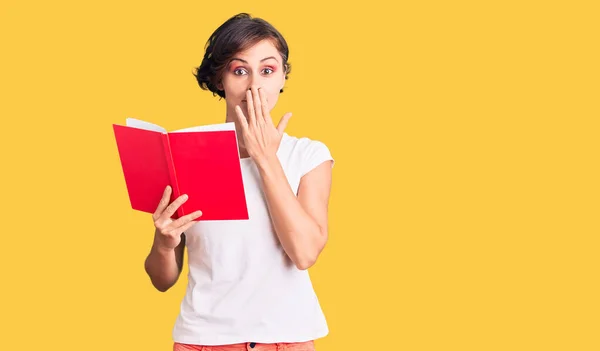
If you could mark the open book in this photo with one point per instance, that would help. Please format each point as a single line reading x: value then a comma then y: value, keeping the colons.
x: 202, y: 162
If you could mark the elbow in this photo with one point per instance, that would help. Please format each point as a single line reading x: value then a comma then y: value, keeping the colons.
x: 162, y: 287
x: 158, y: 283
x: 305, y: 263
x: 308, y: 260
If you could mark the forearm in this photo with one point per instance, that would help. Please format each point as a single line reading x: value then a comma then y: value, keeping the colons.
x: 162, y: 268
x: 300, y: 235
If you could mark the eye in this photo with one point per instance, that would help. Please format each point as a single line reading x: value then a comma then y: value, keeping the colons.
x: 270, y: 70
x: 239, y: 71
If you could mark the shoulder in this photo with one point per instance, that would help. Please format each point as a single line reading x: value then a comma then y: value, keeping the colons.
x: 304, y: 153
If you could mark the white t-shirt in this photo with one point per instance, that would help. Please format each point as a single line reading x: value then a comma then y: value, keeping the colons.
x: 242, y: 286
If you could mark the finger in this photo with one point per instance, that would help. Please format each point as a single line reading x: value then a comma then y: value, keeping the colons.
x: 186, y: 219
x: 187, y: 226
x: 164, y: 202
x: 257, y: 106
x: 260, y: 119
x: 250, y: 103
x: 284, y: 121
x: 170, y: 210
x: 265, y: 107
x: 241, y: 118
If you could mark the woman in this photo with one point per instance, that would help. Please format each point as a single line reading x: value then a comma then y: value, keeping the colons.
x: 248, y: 284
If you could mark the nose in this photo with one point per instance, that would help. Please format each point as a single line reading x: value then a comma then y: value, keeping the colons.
x: 255, y: 81
x: 255, y: 86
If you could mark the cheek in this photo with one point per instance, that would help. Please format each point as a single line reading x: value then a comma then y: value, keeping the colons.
x: 233, y: 89
x: 272, y: 98
x: 232, y: 85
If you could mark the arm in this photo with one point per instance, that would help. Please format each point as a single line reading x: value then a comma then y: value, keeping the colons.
x: 300, y: 222
x: 164, y: 266
x: 165, y: 260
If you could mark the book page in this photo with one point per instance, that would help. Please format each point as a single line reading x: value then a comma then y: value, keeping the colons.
x: 208, y: 128
x: 137, y: 123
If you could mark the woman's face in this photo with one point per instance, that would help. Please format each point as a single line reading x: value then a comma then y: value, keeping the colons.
x: 259, y: 66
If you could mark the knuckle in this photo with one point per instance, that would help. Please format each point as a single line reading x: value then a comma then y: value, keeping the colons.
x: 171, y: 207
x: 178, y: 223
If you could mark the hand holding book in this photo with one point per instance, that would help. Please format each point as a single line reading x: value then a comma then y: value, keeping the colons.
x: 168, y: 230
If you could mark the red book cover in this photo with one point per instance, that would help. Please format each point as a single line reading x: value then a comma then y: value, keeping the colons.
x: 202, y: 162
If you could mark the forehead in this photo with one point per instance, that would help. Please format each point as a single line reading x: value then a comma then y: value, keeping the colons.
x: 260, y: 50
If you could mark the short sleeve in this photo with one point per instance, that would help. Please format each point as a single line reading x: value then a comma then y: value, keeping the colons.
x: 315, y: 154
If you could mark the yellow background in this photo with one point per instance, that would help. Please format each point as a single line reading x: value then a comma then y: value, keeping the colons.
x: 465, y: 203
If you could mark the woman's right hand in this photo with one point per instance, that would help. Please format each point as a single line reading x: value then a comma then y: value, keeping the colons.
x: 168, y: 231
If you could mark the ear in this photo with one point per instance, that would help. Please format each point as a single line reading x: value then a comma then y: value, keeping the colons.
x: 220, y: 86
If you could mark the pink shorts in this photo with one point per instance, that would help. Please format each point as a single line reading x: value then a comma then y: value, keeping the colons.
x: 249, y: 346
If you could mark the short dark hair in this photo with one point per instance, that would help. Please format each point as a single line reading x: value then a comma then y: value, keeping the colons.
x: 236, y: 34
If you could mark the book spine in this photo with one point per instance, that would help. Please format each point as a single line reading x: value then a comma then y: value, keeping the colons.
x: 172, y: 174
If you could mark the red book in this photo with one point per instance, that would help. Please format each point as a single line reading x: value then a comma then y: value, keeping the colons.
x: 202, y: 162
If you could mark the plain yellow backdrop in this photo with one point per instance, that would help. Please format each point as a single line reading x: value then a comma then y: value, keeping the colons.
x: 464, y: 212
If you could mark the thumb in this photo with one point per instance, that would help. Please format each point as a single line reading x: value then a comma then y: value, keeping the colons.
x: 284, y: 121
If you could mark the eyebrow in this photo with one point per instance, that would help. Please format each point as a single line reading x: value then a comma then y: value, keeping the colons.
x: 244, y: 61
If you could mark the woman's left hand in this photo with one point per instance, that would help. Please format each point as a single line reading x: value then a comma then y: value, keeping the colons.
x: 261, y: 137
